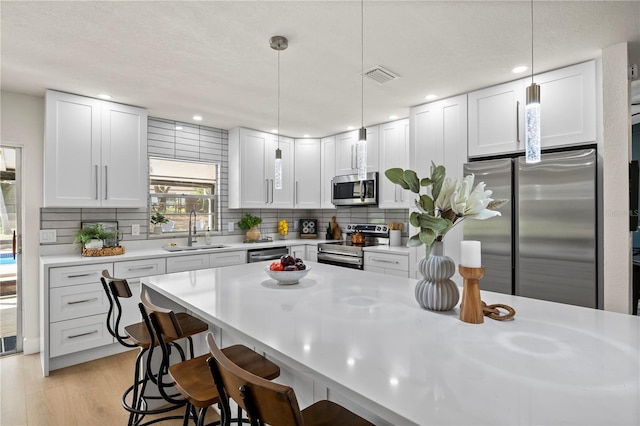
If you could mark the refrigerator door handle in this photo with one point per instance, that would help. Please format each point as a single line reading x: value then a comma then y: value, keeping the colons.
x: 518, y: 121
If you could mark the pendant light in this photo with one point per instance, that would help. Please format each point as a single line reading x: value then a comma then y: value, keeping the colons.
x: 278, y: 43
x: 361, y: 145
x: 532, y: 113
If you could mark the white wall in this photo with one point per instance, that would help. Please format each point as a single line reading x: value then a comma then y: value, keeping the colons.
x: 22, y: 125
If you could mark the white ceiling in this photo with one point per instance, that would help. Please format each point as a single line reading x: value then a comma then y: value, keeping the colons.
x: 180, y: 58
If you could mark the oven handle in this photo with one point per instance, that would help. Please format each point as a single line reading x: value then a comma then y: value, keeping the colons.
x: 340, y: 259
x: 337, y: 253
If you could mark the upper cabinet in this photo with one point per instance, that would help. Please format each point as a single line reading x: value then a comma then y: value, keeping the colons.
x: 95, y: 153
x: 346, y: 153
x: 394, y: 152
x: 327, y: 170
x: 567, y: 112
x: 306, y: 191
x: 495, y: 119
x: 252, y: 170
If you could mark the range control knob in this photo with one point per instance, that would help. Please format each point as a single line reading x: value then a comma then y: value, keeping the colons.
x: 378, y: 228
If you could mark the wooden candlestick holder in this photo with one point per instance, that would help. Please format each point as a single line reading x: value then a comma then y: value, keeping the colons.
x: 471, y: 305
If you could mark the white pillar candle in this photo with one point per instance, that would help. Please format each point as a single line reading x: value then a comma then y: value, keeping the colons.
x: 470, y: 254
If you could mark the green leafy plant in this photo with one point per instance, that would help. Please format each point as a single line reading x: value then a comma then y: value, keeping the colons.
x: 93, y: 232
x: 158, y: 218
x: 444, y: 203
x: 249, y: 221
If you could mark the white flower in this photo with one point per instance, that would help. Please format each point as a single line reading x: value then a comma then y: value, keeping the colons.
x: 474, y: 205
x: 449, y: 188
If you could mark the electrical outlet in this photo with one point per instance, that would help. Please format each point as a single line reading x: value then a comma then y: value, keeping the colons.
x: 135, y: 229
x: 295, y: 225
x: 48, y: 236
x: 230, y: 226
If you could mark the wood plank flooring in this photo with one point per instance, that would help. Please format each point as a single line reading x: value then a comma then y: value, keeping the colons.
x: 84, y: 394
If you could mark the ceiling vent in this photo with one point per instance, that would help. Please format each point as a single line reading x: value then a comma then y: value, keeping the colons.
x: 380, y: 75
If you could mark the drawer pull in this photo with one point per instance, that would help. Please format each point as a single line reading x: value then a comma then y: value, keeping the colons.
x: 81, y: 275
x: 141, y: 268
x: 395, y: 262
x: 75, y: 302
x: 83, y: 334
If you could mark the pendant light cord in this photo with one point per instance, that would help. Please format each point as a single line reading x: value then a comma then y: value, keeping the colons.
x: 531, y: 41
x: 278, y: 123
x: 362, y: 61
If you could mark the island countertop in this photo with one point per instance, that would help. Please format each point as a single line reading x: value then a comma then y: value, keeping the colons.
x: 364, y: 335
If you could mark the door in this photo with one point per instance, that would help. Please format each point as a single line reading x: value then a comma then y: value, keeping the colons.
x: 394, y: 150
x: 306, y: 193
x: 10, y: 251
x: 495, y: 233
x: 556, y: 233
x: 254, y: 183
x: 327, y: 171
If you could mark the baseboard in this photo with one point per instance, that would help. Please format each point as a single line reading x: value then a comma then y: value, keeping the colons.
x: 30, y: 345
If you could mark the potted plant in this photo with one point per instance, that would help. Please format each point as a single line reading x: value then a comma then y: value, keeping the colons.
x: 249, y: 224
x: 92, y: 237
x: 157, y: 219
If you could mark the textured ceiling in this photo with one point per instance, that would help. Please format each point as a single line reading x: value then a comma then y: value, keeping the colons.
x: 213, y: 57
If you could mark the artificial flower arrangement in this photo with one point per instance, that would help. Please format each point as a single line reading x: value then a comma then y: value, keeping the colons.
x: 445, y: 202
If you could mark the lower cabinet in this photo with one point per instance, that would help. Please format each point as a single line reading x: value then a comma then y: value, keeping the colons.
x: 388, y: 264
x: 298, y: 251
x: 227, y: 258
x: 187, y: 263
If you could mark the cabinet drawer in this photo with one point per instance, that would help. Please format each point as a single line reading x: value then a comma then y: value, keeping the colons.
x: 387, y: 261
x: 187, y: 263
x: 227, y: 258
x: 139, y: 268
x: 78, y: 334
x: 83, y: 274
x: 77, y: 301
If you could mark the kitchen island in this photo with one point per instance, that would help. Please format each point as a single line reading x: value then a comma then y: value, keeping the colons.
x: 363, y: 338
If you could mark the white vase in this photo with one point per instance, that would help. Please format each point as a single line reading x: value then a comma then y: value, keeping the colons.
x: 436, y: 290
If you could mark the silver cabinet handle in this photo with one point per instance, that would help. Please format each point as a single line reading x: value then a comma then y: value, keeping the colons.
x: 395, y: 262
x: 272, y: 191
x: 106, y: 183
x: 96, y: 172
x: 266, y: 187
x: 353, y: 148
x: 141, y: 268
x: 295, y: 195
x: 83, y: 334
x: 75, y: 302
x: 518, y: 121
x: 80, y: 275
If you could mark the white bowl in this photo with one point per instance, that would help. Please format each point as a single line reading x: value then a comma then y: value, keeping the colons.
x: 287, y: 277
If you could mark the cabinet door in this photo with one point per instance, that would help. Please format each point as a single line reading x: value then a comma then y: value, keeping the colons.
x: 227, y: 258
x: 72, y: 176
x: 306, y: 194
x: 280, y: 198
x: 327, y: 170
x: 496, y: 115
x: 568, y: 105
x: 298, y: 251
x: 372, y: 149
x: 187, y: 263
x: 394, y: 150
x: 124, y: 166
x: 346, y: 153
x: 311, y: 253
x: 254, y: 183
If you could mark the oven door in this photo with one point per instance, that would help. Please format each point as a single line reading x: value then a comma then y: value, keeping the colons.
x: 346, y: 261
x: 348, y: 190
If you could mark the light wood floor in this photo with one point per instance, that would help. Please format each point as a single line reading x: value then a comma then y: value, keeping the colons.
x: 84, y: 394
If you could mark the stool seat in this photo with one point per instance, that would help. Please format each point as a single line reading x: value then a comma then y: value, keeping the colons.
x: 329, y: 413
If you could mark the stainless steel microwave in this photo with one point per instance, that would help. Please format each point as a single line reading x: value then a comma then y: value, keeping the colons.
x: 348, y: 190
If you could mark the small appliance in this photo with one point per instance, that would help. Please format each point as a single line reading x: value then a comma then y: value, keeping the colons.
x: 349, y: 190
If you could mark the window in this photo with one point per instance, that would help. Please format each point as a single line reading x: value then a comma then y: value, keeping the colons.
x: 176, y: 188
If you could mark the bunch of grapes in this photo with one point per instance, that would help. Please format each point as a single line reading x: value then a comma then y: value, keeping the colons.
x: 283, y: 227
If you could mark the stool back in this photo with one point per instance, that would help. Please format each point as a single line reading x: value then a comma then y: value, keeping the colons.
x: 264, y: 402
x: 115, y: 288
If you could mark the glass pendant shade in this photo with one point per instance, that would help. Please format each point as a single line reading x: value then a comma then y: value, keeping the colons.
x: 277, y: 180
x: 532, y: 124
x: 361, y: 154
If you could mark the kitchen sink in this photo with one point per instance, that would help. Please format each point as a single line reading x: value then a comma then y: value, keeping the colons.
x: 193, y: 247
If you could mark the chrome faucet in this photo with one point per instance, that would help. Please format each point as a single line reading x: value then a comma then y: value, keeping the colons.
x: 191, y: 239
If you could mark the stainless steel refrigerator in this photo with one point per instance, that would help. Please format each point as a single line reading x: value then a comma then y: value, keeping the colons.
x: 544, y: 245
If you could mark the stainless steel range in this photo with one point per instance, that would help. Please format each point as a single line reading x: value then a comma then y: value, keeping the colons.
x: 350, y: 253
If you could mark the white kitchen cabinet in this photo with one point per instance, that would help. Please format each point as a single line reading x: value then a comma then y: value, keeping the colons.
x: 311, y: 253
x: 347, y: 155
x: 188, y: 263
x: 306, y: 191
x: 95, y: 153
x: 132, y: 270
x: 227, y: 258
x: 394, y: 152
x: 438, y: 135
x: 251, y: 170
x: 298, y: 251
x: 496, y: 117
x: 568, y: 105
x: 387, y: 263
x: 327, y: 170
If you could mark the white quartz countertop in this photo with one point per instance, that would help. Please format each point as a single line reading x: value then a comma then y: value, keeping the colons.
x: 364, y: 334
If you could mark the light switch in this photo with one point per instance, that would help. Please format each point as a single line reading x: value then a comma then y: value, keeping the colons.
x: 48, y: 236
x: 230, y: 226
x: 135, y: 229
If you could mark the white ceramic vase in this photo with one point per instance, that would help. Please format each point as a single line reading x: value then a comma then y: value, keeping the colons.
x: 436, y: 290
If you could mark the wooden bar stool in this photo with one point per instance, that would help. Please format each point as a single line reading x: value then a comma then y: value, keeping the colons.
x: 271, y: 403
x: 134, y: 336
x: 192, y: 377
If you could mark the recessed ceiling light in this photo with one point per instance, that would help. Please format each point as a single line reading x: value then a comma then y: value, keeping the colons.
x: 274, y: 131
x: 197, y: 117
x: 178, y: 127
x: 431, y: 97
x: 393, y: 117
x: 350, y: 127
x: 104, y: 96
x: 520, y: 69
x: 305, y: 136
